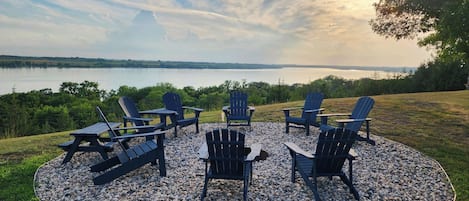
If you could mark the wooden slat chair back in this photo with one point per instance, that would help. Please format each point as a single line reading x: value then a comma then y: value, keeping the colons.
x: 238, y: 105
x: 172, y: 101
x: 239, y: 113
x: 332, y: 150
x: 313, y: 102
x: 226, y: 151
x: 112, y: 133
x: 309, y: 112
x: 130, y: 158
x: 130, y: 110
x: 360, y: 111
x: 132, y: 115
x: 227, y: 159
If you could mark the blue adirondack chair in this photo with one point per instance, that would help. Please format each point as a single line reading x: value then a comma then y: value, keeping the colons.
x: 225, y: 158
x: 131, y: 158
x: 333, y: 148
x: 355, y: 119
x: 132, y: 115
x: 237, y: 112
x: 311, y: 108
x: 172, y: 101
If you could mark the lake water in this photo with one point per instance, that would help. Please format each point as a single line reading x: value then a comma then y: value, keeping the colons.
x: 27, y: 79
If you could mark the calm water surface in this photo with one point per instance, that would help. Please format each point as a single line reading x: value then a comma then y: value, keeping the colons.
x: 27, y: 79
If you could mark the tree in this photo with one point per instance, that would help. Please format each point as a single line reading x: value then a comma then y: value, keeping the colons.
x: 450, y: 37
x: 447, y: 25
x: 402, y: 19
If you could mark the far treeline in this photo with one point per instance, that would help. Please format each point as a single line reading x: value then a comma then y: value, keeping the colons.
x: 7, y: 61
x: 73, y: 106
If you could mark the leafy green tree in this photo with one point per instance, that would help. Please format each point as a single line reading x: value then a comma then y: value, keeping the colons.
x: 14, y: 118
x: 446, y: 21
x: 441, y: 76
x: 52, y: 119
x: 402, y: 19
x: 83, y: 113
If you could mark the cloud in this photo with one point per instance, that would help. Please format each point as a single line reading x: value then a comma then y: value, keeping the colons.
x: 246, y: 31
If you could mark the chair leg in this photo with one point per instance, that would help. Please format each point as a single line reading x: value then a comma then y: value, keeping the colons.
x: 245, y: 190
x: 349, y: 183
x: 204, y: 191
x: 247, y: 173
x: 162, y: 163
x: 287, y: 128
x: 293, y: 168
x: 312, y: 185
x: 197, y: 126
x: 250, y: 175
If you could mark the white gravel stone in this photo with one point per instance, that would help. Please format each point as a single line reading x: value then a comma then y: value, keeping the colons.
x: 387, y: 171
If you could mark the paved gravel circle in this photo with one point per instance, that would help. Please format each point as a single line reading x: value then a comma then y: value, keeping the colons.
x: 387, y: 171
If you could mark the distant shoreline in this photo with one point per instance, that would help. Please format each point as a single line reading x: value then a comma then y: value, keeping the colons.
x: 9, y: 61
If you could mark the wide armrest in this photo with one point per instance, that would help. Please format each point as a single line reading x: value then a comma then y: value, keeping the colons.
x: 352, y: 120
x: 193, y: 108
x: 251, y: 108
x: 292, y: 108
x: 334, y: 114
x: 137, y: 119
x: 315, y: 110
x: 352, y: 153
x: 255, y: 151
x: 295, y: 148
x: 154, y: 133
x: 160, y: 111
x: 203, y: 151
x: 134, y: 127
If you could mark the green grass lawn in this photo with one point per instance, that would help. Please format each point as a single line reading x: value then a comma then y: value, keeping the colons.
x: 436, y: 124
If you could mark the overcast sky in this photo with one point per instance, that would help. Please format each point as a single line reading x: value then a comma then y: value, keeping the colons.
x: 317, y: 32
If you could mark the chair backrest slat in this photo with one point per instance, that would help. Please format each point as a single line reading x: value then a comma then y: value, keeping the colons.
x: 313, y: 101
x: 360, y: 111
x: 130, y: 109
x: 332, y: 148
x: 111, y: 132
x: 226, y: 152
x: 172, y: 101
x: 238, y: 103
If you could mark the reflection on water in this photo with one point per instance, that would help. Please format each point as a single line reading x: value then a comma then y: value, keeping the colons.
x: 27, y: 79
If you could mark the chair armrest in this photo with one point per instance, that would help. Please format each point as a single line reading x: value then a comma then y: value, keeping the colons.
x: 137, y: 119
x: 352, y: 120
x: 315, y: 110
x: 295, y: 148
x: 334, y: 114
x: 225, y: 108
x: 193, y: 108
x: 155, y: 133
x: 251, y: 108
x: 255, y: 151
x: 352, y: 153
x: 133, y: 127
x: 292, y: 108
x: 203, y: 151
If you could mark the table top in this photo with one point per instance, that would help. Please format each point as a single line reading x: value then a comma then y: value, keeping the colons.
x: 163, y: 111
x: 95, y: 129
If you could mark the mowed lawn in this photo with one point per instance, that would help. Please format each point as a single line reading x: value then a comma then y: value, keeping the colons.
x: 435, y: 123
